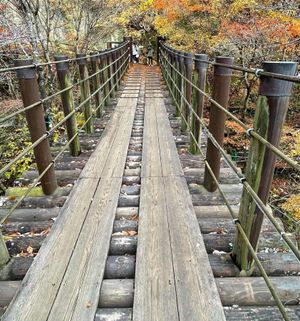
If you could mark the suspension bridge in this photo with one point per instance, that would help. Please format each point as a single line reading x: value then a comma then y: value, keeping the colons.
x: 144, y: 215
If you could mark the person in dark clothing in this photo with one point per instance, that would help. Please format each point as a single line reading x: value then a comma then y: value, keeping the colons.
x: 150, y: 54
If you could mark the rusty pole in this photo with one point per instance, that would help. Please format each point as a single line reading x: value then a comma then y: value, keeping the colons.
x: 277, y: 93
x: 36, y: 123
x: 67, y: 99
x: 188, y: 89
x: 198, y: 98
x: 221, y: 90
x: 129, y: 39
x: 104, y: 78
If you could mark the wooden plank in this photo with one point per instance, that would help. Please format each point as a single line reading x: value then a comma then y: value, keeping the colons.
x: 151, y: 165
x: 78, y: 295
x: 155, y: 293
x: 197, y: 294
x: 43, y: 280
x: 171, y: 165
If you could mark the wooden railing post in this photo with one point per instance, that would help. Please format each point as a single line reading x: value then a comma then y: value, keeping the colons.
x: 67, y: 99
x: 198, y: 99
x: 188, y: 73
x: 96, y: 83
x: 110, y: 74
x: 271, y: 109
x: 85, y: 91
x: 182, y: 87
x: 104, y: 77
x: 115, y: 68
x: 36, y: 123
x: 178, y: 83
x: 221, y: 89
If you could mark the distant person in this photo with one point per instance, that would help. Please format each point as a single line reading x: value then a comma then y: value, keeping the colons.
x: 150, y: 54
x: 135, y: 53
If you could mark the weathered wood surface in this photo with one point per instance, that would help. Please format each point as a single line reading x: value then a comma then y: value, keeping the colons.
x: 232, y: 314
x: 72, y: 279
x: 164, y: 280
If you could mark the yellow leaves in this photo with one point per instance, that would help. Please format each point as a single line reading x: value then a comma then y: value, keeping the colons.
x: 240, y: 5
x: 292, y: 205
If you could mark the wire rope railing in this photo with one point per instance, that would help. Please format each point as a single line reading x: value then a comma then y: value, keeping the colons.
x: 107, y: 69
x: 180, y: 84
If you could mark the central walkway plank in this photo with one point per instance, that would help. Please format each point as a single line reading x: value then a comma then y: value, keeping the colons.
x: 174, y: 280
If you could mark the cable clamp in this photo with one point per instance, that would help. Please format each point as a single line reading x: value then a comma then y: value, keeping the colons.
x: 243, y: 179
x: 257, y: 71
x: 49, y: 133
x: 248, y: 132
x: 236, y: 221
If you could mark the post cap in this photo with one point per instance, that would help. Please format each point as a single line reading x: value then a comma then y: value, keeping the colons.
x: 221, y: 70
x: 81, y: 59
x: 62, y: 66
x: 273, y: 87
x: 26, y: 73
x: 200, y: 61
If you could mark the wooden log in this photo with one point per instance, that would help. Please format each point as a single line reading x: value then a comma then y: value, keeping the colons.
x: 126, y: 212
x: 128, y: 200
x: 64, y: 177
x: 253, y: 175
x: 227, y: 188
x: 125, y: 225
x: 132, y: 172
x: 243, y: 291
x: 235, y: 313
x: 113, y: 314
x: 120, y: 267
x: 16, y: 268
x: 217, y: 211
x: 214, y: 199
x: 121, y: 245
x: 69, y: 165
x: 131, y: 180
x: 26, y: 227
x: 116, y: 293
x: 31, y: 214
x: 254, y: 291
x: 256, y: 313
x: 39, y: 202
x: 7, y: 291
x: 130, y: 190
x: 36, y: 192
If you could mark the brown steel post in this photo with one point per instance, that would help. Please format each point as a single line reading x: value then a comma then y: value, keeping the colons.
x: 109, y: 45
x: 200, y: 79
x: 110, y: 74
x: 85, y: 91
x: 158, y: 39
x: 67, y: 99
x: 277, y: 93
x: 221, y: 90
x: 115, y: 68
x: 188, y: 73
x: 36, y: 123
x: 181, y: 84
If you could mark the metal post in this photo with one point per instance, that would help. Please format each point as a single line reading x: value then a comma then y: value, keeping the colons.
x: 85, y: 91
x: 221, y: 89
x: 110, y: 74
x: 109, y: 45
x: 277, y: 93
x: 178, y: 83
x: 67, y: 99
x: 198, y: 99
x: 158, y: 39
x: 188, y: 73
x: 114, y: 68
x: 96, y: 83
x: 36, y: 123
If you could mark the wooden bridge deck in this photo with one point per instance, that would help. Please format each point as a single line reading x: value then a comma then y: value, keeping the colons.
x: 174, y: 275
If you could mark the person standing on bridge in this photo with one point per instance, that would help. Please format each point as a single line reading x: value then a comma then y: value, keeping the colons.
x: 150, y: 54
x: 135, y: 53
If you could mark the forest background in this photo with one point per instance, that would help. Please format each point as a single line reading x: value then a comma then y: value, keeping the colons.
x: 251, y: 31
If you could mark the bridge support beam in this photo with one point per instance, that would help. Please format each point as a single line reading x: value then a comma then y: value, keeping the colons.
x: 221, y: 90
